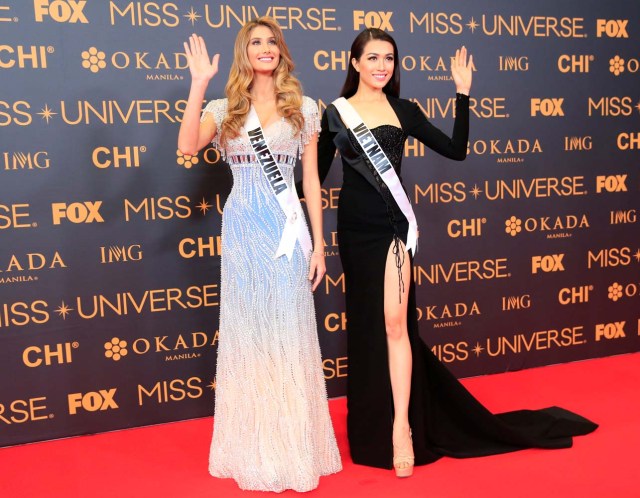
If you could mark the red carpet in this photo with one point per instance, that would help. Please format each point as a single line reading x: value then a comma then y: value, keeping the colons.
x: 171, y: 460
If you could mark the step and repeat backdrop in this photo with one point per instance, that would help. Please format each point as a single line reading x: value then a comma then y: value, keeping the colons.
x: 110, y: 237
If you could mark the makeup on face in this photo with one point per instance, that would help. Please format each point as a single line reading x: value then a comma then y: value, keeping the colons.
x: 376, y: 63
x: 263, y: 50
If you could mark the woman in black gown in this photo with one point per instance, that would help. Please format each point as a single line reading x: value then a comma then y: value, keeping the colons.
x: 396, y: 386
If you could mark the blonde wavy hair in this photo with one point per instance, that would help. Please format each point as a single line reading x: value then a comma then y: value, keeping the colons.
x: 287, y: 86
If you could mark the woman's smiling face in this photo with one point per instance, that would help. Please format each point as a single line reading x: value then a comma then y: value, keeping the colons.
x: 376, y: 64
x: 263, y: 51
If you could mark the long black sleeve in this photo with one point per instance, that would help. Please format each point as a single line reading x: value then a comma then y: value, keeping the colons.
x: 454, y: 147
x: 326, y: 152
x: 326, y: 148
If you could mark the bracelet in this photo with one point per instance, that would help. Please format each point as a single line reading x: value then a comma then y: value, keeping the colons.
x: 317, y: 252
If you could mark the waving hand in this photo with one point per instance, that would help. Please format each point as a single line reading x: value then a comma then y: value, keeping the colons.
x: 461, y: 71
x: 201, y: 68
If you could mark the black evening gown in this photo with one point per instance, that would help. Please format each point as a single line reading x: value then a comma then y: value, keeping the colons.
x: 445, y: 418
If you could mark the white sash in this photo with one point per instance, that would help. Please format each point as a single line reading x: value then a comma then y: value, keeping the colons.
x: 294, y: 228
x: 383, y: 166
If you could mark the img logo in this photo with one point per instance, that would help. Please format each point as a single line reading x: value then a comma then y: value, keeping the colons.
x: 522, y: 302
x: 578, y: 143
x: 619, y: 217
x: 510, y: 63
x: 120, y: 254
x: 18, y: 161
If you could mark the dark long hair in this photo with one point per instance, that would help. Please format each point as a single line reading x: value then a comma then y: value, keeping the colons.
x: 357, y: 47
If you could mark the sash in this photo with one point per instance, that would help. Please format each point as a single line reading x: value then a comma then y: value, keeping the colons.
x: 294, y: 228
x: 381, y: 163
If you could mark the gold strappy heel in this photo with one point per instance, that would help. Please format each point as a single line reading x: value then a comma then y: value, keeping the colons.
x: 403, y: 463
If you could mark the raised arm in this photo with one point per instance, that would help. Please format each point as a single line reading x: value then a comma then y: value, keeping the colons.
x: 454, y: 147
x: 194, y: 134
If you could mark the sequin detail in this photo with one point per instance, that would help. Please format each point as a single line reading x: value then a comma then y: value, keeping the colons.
x: 272, y: 429
x: 391, y: 139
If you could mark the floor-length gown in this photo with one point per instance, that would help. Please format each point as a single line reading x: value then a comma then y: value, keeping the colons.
x: 444, y: 417
x: 272, y: 429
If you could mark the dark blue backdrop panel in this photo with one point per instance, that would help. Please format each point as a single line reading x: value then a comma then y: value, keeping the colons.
x: 110, y: 238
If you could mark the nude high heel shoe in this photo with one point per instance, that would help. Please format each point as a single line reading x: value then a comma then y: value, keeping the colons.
x: 403, y: 461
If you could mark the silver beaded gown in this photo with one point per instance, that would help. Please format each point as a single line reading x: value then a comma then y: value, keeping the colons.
x: 272, y: 429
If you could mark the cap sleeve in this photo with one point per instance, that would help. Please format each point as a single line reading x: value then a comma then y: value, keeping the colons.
x: 311, y: 122
x: 218, y: 109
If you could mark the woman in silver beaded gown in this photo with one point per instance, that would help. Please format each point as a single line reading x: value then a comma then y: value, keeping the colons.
x: 272, y: 429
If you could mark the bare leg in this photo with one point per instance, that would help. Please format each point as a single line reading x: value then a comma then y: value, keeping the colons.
x: 400, y: 360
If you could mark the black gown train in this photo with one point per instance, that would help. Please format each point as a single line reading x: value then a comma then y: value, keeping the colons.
x: 445, y: 418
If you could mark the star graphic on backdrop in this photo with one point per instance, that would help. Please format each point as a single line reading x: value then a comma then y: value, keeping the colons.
x: 47, y: 113
x: 478, y: 349
x: 212, y: 385
x: 472, y: 25
x: 204, y: 206
x: 637, y: 255
x: 638, y: 106
x: 193, y: 16
x: 475, y: 191
x: 63, y: 310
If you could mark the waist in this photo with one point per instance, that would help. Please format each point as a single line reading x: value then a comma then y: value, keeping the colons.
x: 251, y: 161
